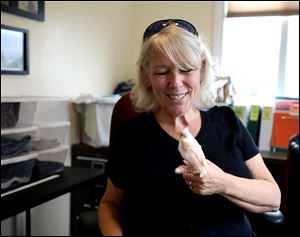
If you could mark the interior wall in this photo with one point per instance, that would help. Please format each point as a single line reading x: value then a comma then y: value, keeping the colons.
x: 81, y: 47
x: 199, y: 13
x: 87, y: 47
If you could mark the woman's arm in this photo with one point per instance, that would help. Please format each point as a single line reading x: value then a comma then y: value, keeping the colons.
x: 109, y: 214
x: 259, y: 194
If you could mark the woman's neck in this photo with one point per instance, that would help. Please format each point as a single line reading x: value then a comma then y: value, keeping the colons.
x: 173, y: 125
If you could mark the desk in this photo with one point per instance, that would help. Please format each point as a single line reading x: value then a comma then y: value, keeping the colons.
x: 69, y: 180
x: 276, y: 163
x: 278, y: 157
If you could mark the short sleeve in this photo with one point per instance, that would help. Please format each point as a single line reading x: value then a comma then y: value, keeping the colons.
x: 243, y: 138
x: 247, y: 144
x: 118, y: 161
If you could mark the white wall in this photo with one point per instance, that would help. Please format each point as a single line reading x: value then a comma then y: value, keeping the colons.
x: 86, y: 47
x: 81, y: 47
x: 200, y: 14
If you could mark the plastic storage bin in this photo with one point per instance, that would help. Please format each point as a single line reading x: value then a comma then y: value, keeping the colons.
x: 9, y: 114
x: 96, y: 118
x: 16, y: 111
x: 16, y: 141
x: 17, y: 170
x: 50, y: 135
x: 51, y: 109
x: 50, y: 161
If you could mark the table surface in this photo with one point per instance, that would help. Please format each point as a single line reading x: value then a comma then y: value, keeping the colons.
x: 69, y: 180
x: 279, y: 156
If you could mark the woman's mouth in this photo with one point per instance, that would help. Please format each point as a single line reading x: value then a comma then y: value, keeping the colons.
x: 177, y: 97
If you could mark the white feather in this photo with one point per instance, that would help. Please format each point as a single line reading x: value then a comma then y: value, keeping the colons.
x: 192, y: 152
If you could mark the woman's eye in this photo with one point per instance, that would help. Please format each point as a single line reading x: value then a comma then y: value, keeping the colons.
x: 186, y: 71
x: 161, y: 73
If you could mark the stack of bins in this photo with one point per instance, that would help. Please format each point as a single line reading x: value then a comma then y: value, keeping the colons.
x: 40, y: 123
x: 17, y: 134
x: 49, y: 145
x: 50, y: 140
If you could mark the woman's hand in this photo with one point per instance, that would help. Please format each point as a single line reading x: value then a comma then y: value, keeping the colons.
x: 206, y: 184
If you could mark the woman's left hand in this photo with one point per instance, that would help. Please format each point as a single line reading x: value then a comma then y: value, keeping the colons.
x: 207, y: 184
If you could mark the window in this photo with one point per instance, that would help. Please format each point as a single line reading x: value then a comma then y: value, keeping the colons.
x: 292, y: 59
x: 261, y: 55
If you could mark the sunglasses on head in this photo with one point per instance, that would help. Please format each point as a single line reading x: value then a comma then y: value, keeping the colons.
x: 157, y: 26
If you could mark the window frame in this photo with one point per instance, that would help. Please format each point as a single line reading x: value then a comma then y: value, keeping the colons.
x: 220, y: 12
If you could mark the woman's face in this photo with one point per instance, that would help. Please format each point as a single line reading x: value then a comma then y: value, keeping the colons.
x: 173, y: 88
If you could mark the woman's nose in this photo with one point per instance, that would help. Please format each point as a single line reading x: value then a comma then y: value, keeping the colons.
x: 175, y: 79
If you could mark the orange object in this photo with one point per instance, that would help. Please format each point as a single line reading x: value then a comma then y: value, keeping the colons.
x: 285, y: 126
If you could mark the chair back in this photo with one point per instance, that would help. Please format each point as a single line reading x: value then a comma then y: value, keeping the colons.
x: 291, y: 199
x: 122, y: 111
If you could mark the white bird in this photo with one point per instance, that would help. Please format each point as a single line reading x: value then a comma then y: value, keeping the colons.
x: 192, y: 152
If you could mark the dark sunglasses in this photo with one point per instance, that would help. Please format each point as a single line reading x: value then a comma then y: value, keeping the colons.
x: 157, y: 26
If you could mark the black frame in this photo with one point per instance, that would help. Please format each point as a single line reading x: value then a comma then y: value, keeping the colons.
x: 23, y: 35
x: 14, y: 8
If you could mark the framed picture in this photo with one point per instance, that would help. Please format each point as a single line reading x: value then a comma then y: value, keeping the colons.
x: 14, y: 50
x: 30, y: 9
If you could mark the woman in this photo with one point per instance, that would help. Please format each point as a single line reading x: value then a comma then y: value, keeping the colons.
x: 149, y: 189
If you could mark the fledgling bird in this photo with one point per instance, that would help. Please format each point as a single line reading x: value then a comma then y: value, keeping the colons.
x: 192, y: 152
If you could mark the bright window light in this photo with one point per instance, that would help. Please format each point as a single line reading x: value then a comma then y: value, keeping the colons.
x: 251, y: 51
x: 292, y: 59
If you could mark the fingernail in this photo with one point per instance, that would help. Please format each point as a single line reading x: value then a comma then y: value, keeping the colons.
x: 179, y: 170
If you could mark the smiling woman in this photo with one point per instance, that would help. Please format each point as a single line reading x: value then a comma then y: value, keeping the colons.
x: 150, y: 183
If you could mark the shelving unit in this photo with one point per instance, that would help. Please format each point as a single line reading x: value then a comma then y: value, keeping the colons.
x: 44, y: 120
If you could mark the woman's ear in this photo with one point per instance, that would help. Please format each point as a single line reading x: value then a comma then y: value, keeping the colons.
x: 145, y: 78
x: 202, y: 69
x: 147, y: 82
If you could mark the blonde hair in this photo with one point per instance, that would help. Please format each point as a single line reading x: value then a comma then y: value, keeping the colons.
x: 186, y: 51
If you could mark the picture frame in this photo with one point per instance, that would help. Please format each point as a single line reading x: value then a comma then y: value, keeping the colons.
x: 14, y: 50
x: 30, y: 9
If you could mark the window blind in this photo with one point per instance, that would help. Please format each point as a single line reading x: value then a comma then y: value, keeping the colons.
x: 262, y: 8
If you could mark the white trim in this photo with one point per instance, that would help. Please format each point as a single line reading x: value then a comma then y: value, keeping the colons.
x: 20, y: 128
x: 103, y: 160
x: 11, y: 99
x: 219, y: 15
x: 31, y: 184
x: 18, y: 159
x: 282, y: 58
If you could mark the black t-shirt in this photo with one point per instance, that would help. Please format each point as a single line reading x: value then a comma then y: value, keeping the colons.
x: 158, y: 201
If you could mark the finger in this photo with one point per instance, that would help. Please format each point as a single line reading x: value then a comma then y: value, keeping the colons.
x: 189, y: 169
x: 186, y: 163
x: 183, y: 169
x: 180, y: 169
x: 197, y: 172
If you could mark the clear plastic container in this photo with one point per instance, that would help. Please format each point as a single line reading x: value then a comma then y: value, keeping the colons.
x: 46, y: 106
x: 9, y: 114
x: 17, y: 141
x: 51, y: 161
x: 17, y: 170
x: 17, y: 112
x: 50, y: 135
